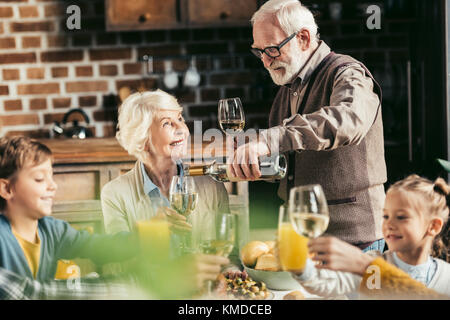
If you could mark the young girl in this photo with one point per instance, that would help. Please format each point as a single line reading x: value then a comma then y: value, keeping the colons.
x: 416, y: 230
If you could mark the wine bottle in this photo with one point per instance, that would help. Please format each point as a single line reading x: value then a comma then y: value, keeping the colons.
x: 271, y: 167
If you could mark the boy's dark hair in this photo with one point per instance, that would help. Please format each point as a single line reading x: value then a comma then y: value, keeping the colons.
x: 15, y: 153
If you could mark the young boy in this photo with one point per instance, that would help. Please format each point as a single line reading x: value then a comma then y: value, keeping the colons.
x: 31, y: 242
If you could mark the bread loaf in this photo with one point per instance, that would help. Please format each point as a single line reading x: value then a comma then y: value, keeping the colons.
x: 251, y: 251
x: 267, y: 262
x: 271, y: 245
x: 294, y: 295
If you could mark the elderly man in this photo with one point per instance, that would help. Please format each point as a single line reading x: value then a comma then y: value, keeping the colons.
x: 327, y: 116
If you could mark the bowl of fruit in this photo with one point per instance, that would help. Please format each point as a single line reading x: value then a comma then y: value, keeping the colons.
x: 261, y: 263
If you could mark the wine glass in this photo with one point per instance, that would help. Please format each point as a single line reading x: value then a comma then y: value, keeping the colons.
x: 308, y: 213
x: 231, y: 115
x: 219, y: 241
x: 308, y: 210
x: 183, y: 199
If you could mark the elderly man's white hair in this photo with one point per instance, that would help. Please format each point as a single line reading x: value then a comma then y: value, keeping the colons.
x: 291, y: 14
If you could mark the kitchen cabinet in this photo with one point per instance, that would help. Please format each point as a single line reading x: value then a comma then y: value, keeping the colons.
x: 141, y: 14
x: 77, y: 198
x: 80, y: 169
x: 220, y: 12
x: 173, y: 14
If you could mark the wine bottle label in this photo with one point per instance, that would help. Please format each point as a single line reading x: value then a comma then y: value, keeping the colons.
x: 195, y: 171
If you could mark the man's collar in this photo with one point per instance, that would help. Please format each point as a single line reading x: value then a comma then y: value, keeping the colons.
x: 313, y: 61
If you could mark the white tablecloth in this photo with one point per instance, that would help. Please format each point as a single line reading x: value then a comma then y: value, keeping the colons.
x: 278, y: 294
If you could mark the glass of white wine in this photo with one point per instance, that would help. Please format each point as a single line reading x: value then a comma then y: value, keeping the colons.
x: 219, y: 241
x: 308, y: 213
x: 231, y: 116
x: 183, y: 199
x: 308, y: 210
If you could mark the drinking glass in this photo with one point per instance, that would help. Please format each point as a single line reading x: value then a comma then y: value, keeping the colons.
x: 219, y: 241
x: 231, y: 115
x: 183, y: 199
x: 183, y: 195
x: 154, y: 238
x: 308, y: 210
x: 292, y: 247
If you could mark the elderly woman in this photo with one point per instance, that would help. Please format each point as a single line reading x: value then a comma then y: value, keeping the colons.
x: 151, y: 128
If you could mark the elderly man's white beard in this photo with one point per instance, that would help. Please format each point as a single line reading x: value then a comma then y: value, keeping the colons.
x: 290, y: 69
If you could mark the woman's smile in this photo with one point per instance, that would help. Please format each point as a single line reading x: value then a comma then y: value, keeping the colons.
x: 177, y: 143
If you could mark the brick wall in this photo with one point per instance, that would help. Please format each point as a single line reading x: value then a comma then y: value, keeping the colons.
x: 46, y: 69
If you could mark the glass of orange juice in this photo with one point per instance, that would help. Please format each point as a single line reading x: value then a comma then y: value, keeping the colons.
x: 292, y: 247
x: 154, y: 237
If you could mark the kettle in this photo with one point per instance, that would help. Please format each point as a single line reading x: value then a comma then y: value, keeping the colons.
x: 75, y: 131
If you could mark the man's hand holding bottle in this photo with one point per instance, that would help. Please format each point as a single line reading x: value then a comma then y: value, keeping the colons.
x: 244, y: 163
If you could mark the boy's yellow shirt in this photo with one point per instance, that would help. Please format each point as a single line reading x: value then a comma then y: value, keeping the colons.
x: 32, y: 252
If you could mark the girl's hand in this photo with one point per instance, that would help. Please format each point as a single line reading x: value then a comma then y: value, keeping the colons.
x: 177, y: 221
x: 334, y: 254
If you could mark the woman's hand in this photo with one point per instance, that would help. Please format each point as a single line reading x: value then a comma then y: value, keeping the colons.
x: 177, y: 221
x: 334, y: 254
x: 208, y: 267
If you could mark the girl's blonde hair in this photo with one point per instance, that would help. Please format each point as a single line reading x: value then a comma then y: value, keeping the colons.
x: 437, y: 197
x: 135, y: 117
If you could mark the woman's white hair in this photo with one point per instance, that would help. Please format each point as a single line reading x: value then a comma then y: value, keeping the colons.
x: 291, y: 14
x: 135, y: 117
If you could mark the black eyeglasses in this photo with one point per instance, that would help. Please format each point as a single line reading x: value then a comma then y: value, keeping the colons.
x: 272, y: 51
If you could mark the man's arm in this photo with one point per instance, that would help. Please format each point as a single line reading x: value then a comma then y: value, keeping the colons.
x: 352, y: 111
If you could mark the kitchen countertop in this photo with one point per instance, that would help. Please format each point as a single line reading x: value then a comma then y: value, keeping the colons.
x: 92, y: 150
x: 108, y: 150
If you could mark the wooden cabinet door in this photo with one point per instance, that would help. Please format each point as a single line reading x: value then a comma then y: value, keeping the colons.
x: 220, y: 12
x: 141, y: 14
x: 79, y: 182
